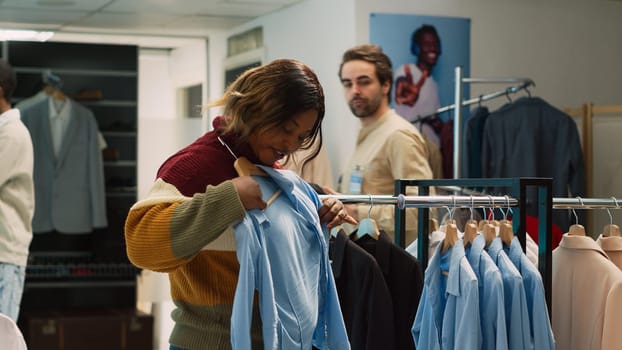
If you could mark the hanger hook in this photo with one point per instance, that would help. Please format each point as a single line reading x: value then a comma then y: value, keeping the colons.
x: 507, y: 208
x: 609, y: 212
x: 449, y: 214
x: 371, y: 204
x: 479, y: 102
x: 472, y: 208
x: 492, y: 209
x: 453, y: 201
x: 507, y: 94
x: 576, y: 218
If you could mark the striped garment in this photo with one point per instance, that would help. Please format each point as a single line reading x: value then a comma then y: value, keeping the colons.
x: 184, y: 227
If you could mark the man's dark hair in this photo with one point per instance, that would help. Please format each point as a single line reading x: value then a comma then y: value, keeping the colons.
x: 8, y: 80
x: 374, y: 55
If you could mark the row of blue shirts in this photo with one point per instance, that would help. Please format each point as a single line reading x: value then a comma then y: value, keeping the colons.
x: 482, y: 297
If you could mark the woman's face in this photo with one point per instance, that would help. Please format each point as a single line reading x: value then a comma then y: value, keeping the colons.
x: 275, y: 143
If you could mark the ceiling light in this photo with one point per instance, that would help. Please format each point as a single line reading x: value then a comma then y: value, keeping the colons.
x: 55, y: 3
x: 24, y: 35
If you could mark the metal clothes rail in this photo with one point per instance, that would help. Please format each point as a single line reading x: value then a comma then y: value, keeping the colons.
x: 517, y: 190
x: 516, y: 199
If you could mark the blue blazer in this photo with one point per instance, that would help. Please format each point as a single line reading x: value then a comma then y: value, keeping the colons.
x: 70, y: 190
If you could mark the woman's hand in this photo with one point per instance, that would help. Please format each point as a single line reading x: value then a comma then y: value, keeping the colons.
x: 334, y: 213
x: 249, y: 192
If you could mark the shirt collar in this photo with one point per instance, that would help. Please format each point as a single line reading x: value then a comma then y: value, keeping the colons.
x: 581, y: 242
x: 453, y: 280
x: 610, y: 244
x: 477, y: 247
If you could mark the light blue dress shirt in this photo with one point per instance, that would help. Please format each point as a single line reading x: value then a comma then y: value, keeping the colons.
x: 541, y: 331
x: 283, y: 254
x: 448, y: 318
x: 491, y: 306
x: 516, y: 314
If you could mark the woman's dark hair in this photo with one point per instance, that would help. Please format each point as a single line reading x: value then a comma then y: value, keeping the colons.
x: 268, y: 96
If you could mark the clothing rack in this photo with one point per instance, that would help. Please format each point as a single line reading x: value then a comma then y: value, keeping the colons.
x: 517, y: 190
x: 521, y: 84
x: 516, y: 199
x: 458, y: 92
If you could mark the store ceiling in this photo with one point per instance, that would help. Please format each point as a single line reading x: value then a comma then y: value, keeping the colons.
x: 194, y: 18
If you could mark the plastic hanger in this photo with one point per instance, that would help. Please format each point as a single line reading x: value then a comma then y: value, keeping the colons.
x: 611, y: 230
x: 470, y: 228
x: 368, y: 226
x: 576, y: 229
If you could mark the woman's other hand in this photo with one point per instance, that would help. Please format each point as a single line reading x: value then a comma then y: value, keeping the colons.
x: 334, y: 213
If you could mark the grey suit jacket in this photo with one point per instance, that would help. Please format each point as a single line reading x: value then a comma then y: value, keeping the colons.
x: 531, y: 138
x: 70, y: 190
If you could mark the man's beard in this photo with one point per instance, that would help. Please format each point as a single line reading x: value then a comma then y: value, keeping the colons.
x: 365, y: 110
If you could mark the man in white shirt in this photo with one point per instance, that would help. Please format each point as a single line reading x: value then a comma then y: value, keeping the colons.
x: 16, y: 197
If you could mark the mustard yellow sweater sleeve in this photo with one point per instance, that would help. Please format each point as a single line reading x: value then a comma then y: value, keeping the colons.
x: 166, y: 229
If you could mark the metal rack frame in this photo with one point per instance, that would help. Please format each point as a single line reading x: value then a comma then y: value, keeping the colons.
x: 517, y: 190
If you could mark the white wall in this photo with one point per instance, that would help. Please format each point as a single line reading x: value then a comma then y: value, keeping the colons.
x: 316, y: 32
x: 163, y: 131
x: 571, y: 49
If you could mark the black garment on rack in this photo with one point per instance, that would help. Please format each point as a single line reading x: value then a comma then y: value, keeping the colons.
x: 531, y: 138
x: 472, y: 143
x: 404, y: 277
x: 363, y: 295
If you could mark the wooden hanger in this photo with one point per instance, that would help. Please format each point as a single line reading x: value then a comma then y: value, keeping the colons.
x: 245, y: 168
x: 506, y: 232
x: 611, y: 229
x: 451, y: 235
x: 576, y: 229
x: 489, y: 232
x: 470, y: 232
x: 470, y: 228
x: 481, y: 224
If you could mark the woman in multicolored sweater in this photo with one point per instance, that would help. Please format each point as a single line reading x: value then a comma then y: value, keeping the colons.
x: 184, y: 226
